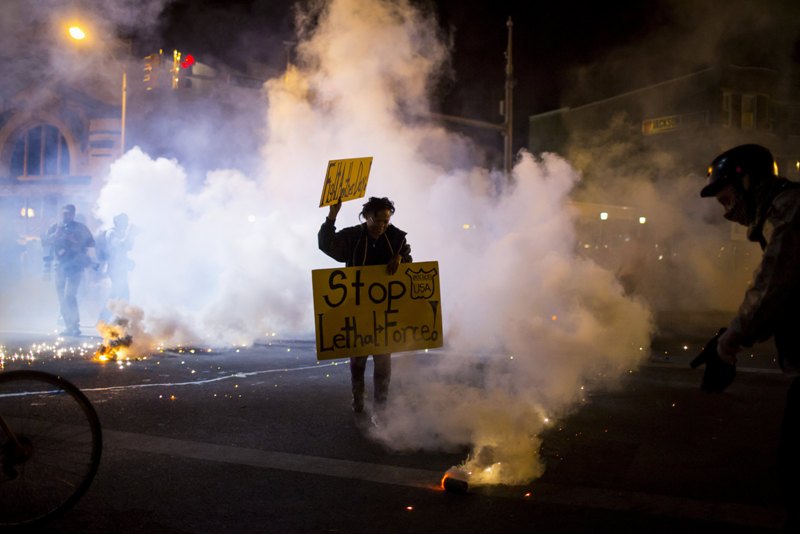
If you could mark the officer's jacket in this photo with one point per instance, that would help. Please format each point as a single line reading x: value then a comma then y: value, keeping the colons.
x: 774, y: 293
x: 67, y: 243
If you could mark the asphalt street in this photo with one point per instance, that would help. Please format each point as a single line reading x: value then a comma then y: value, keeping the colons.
x: 262, y: 439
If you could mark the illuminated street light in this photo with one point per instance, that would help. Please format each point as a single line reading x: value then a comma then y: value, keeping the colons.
x: 78, y: 34
x: 603, y: 216
x: 642, y: 220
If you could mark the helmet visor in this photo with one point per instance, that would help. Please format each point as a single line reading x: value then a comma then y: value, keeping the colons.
x: 713, y: 188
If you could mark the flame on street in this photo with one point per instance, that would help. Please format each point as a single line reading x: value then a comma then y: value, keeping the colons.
x: 116, y: 341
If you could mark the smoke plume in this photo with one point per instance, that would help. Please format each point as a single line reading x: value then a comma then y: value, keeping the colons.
x: 529, y: 325
x: 685, y: 237
x: 226, y: 257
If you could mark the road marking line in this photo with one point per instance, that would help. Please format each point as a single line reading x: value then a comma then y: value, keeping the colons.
x: 209, y: 380
x: 549, y: 493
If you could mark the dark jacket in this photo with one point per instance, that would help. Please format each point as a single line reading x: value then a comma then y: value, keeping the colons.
x: 350, y: 244
x: 67, y: 244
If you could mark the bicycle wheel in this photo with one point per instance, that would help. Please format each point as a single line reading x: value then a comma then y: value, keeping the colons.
x: 61, y: 440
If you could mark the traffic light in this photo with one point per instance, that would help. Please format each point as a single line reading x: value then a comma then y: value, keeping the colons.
x: 152, y: 69
x: 181, y: 71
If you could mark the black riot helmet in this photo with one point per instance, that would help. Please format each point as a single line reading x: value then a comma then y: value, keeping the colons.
x: 743, y: 166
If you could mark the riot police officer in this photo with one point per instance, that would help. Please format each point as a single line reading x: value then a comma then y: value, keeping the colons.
x: 67, y: 244
x: 745, y: 182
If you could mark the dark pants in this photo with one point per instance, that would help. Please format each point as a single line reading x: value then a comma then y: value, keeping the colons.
x: 788, y: 345
x: 67, y: 283
x: 789, y: 456
x: 381, y: 377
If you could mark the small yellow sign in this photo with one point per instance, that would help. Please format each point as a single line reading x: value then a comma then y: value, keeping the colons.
x: 360, y: 311
x: 346, y: 179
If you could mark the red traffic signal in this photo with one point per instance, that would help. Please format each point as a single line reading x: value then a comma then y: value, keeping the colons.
x: 188, y: 61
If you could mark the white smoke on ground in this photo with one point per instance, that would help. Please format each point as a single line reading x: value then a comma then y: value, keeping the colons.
x: 230, y: 262
x: 546, y: 326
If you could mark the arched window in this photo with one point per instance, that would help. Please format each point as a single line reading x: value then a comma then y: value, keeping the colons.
x: 40, y: 151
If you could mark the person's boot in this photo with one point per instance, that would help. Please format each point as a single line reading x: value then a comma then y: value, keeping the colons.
x: 358, y: 403
x: 381, y: 393
x: 358, y: 398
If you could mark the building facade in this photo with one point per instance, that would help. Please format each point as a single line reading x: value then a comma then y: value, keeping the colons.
x: 693, y: 117
x: 58, y: 140
x: 667, y: 133
x: 55, y: 146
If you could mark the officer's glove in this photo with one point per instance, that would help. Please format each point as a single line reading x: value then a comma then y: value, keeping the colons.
x: 718, y: 374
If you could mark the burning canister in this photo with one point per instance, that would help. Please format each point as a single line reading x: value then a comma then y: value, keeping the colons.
x: 456, y: 480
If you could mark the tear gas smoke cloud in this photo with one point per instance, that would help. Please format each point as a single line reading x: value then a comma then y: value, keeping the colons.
x: 694, y: 240
x: 38, y: 55
x: 685, y: 237
x: 230, y: 261
x: 530, y: 325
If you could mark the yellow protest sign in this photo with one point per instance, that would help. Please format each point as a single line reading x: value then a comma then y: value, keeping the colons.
x: 360, y: 311
x: 345, y: 179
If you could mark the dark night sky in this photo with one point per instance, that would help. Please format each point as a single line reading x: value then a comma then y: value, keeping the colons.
x: 547, y: 41
x: 565, y: 52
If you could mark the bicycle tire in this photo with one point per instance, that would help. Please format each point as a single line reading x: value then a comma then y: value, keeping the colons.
x: 62, y: 434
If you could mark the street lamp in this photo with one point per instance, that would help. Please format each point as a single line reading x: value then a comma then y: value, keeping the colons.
x: 78, y: 34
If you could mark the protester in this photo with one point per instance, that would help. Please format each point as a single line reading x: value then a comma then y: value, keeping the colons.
x: 745, y: 181
x: 374, y: 242
x: 67, y: 243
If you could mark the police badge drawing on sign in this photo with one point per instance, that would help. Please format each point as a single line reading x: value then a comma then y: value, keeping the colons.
x: 423, y: 283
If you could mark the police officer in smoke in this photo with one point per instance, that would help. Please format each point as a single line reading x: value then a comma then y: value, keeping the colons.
x: 744, y: 181
x: 112, y: 247
x: 67, y: 243
x: 374, y: 242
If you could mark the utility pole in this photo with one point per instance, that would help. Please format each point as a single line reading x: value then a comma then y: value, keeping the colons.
x: 78, y: 34
x: 506, y: 128
x: 508, y: 107
x: 123, y: 118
